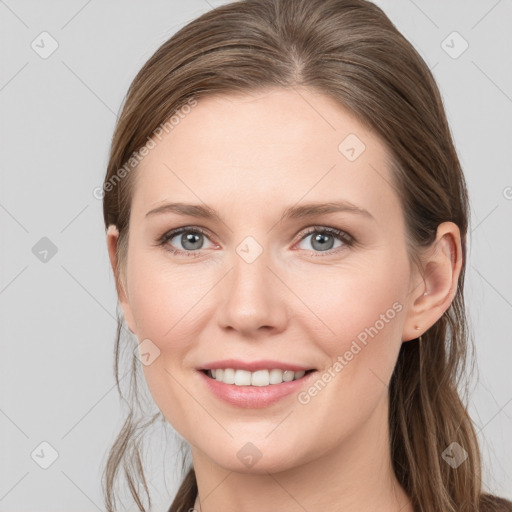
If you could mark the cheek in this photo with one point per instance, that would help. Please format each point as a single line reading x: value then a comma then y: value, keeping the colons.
x: 163, y: 297
x: 351, y: 299
x: 364, y: 307
x: 361, y: 309
x: 166, y: 305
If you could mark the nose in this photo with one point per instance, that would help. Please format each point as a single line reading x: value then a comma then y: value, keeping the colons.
x: 253, y: 299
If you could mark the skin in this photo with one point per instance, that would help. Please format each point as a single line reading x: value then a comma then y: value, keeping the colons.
x: 249, y: 157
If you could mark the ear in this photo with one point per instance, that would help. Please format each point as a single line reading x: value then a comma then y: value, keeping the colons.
x: 112, y: 241
x: 433, y: 287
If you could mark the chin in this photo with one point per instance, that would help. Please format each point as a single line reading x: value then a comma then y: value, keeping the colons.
x: 243, y: 456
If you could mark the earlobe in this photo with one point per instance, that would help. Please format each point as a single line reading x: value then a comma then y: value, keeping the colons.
x: 435, y: 288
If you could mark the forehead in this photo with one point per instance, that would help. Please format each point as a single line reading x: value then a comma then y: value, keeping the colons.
x: 266, y: 148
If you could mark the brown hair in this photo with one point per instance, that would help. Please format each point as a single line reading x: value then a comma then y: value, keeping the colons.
x: 350, y: 51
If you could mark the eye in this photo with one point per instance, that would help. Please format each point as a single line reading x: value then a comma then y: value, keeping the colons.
x: 324, y: 239
x: 190, y: 239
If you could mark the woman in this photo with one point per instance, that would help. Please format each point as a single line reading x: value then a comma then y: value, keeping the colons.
x: 286, y: 220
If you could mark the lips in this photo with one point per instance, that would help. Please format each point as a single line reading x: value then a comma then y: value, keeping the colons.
x: 254, y: 396
x: 228, y: 380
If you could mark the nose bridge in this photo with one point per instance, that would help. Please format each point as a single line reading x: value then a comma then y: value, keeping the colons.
x: 252, y: 298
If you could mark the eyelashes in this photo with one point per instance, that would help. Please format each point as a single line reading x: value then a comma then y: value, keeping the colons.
x: 345, y: 238
x: 322, y: 233
x: 169, y: 235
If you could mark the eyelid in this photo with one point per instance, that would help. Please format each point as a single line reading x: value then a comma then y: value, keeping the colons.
x: 172, y: 233
x: 343, y: 235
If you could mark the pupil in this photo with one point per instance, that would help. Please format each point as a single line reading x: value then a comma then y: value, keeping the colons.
x: 322, y: 239
x: 190, y: 238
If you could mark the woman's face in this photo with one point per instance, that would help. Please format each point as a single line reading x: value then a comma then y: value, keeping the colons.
x: 264, y: 285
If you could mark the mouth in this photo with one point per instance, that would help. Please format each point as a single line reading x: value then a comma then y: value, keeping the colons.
x: 258, y: 378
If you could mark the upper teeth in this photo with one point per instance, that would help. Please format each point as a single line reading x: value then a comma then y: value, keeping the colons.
x: 257, y: 378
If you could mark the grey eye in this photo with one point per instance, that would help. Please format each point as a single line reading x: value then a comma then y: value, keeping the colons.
x: 190, y: 240
x: 321, y: 241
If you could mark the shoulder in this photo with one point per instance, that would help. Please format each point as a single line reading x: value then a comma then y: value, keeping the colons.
x: 490, y: 503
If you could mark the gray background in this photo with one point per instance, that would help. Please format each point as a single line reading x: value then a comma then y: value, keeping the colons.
x: 58, y: 316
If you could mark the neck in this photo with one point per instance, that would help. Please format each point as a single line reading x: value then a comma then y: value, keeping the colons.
x: 355, y: 475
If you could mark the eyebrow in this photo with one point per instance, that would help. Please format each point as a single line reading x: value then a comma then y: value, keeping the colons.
x: 293, y: 212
